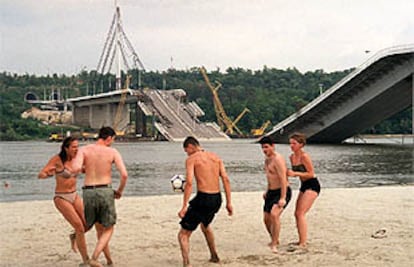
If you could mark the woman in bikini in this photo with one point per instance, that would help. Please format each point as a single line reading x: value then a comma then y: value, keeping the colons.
x: 302, y: 167
x: 66, y: 199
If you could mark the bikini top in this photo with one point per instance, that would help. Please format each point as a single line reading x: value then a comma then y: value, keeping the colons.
x: 299, y: 168
x: 65, y: 173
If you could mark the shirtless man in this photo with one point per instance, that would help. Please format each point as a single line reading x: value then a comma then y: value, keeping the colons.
x: 278, y: 192
x: 98, y: 195
x: 206, y: 167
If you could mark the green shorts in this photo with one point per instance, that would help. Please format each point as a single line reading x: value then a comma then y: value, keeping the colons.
x: 99, y: 206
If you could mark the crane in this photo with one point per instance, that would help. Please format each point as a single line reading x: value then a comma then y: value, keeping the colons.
x: 260, y: 131
x: 233, y: 123
x: 222, y: 119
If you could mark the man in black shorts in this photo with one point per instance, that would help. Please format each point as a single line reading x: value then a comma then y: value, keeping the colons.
x: 206, y: 167
x: 278, y: 192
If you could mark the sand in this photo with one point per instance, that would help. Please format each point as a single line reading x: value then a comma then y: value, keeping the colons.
x: 341, y: 223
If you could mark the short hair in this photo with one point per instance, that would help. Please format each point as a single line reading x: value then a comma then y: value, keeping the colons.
x: 299, y: 137
x: 105, y: 132
x: 266, y: 140
x: 190, y: 141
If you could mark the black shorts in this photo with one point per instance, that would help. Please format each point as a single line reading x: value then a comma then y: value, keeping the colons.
x: 202, y: 209
x: 310, y: 184
x: 273, y: 196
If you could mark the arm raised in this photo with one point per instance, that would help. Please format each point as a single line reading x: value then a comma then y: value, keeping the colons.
x: 49, y: 169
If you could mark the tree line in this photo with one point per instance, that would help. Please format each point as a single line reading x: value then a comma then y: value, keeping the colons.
x: 270, y: 94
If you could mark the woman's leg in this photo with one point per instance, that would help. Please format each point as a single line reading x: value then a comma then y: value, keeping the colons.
x: 303, y: 204
x: 69, y: 212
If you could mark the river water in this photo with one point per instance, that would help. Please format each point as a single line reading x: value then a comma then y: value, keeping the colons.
x: 151, y: 165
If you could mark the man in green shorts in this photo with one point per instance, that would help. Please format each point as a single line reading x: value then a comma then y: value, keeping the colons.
x: 98, y: 195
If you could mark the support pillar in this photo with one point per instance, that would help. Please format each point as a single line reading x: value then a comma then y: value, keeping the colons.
x: 140, y: 122
x: 110, y: 115
x: 90, y: 120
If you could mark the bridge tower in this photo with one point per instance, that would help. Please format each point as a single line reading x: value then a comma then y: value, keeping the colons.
x: 117, y: 47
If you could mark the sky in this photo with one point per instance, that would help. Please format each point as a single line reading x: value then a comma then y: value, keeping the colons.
x: 67, y: 36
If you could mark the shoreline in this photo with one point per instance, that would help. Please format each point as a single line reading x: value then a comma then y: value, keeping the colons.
x: 340, y: 225
x: 79, y: 191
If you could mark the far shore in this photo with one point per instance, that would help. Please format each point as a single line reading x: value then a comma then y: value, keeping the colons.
x: 395, y: 139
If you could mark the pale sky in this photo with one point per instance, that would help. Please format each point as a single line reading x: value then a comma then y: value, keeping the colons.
x: 66, y: 36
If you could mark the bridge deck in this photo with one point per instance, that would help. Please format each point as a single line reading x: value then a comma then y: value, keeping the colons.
x: 378, y: 89
x: 175, y: 119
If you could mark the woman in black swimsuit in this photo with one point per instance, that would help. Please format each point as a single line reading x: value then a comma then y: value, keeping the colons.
x: 302, y: 167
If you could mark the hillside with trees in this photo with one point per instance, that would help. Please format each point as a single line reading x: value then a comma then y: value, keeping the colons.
x: 270, y: 94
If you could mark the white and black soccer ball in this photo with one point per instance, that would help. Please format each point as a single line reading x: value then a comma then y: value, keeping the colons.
x: 177, y: 182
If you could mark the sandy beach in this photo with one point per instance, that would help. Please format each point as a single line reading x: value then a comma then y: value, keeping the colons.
x: 341, y: 223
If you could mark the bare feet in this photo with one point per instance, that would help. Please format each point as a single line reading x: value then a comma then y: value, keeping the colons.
x: 214, y: 258
x: 297, y: 248
x: 302, y: 246
x: 273, y: 248
x: 302, y: 250
x: 73, y: 244
x: 271, y: 243
x: 95, y: 263
x: 298, y: 244
x: 186, y: 263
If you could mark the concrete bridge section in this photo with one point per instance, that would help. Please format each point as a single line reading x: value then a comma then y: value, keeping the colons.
x: 173, y: 118
x: 100, y: 110
x: 378, y: 89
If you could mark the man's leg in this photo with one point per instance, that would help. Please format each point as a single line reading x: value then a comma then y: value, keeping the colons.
x: 208, y: 233
x: 268, y: 223
x: 184, y: 240
x: 275, y: 227
x: 103, y: 241
x: 99, y: 229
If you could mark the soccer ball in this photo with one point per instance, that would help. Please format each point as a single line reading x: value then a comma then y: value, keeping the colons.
x: 177, y: 183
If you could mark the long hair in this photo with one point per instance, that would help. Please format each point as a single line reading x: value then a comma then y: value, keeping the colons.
x: 65, y: 144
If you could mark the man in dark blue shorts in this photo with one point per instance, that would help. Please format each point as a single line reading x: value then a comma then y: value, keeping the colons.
x: 206, y: 167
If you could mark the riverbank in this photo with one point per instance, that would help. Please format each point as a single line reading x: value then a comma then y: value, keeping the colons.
x: 341, y: 225
x: 391, y: 139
